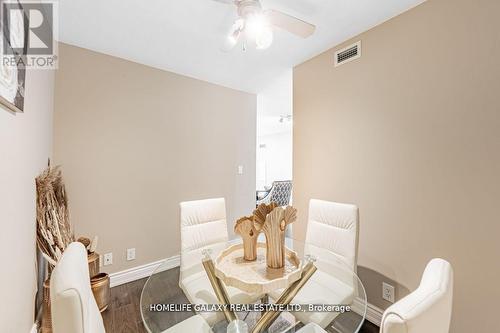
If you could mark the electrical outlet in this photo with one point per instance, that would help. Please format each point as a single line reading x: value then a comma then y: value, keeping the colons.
x: 108, y: 259
x: 240, y: 169
x: 388, y: 292
x: 131, y: 254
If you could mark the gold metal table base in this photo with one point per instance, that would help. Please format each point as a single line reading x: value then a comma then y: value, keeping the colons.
x: 268, y: 317
x: 286, y: 298
x: 220, y: 290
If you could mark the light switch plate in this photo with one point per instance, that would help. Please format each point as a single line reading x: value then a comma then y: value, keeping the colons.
x: 240, y: 169
x: 131, y: 254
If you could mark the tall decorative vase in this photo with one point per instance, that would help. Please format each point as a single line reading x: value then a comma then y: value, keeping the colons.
x: 101, y: 290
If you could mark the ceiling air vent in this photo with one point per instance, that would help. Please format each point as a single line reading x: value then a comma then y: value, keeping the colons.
x: 347, y: 54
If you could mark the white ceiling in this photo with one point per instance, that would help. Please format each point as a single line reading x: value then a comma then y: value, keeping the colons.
x: 185, y: 36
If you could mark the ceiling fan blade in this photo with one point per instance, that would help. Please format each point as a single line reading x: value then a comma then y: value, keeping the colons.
x: 289, y: 23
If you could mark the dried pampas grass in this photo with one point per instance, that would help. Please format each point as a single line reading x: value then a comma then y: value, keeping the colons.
x: 54, y: 232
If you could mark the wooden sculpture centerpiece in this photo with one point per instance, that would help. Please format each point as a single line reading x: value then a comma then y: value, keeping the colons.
x: 272, y: 221
x: 245, y: 227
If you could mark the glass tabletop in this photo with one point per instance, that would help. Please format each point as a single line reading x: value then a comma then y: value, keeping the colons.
x: 333, y: 297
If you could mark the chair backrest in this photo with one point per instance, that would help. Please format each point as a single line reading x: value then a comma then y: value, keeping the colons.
x: 334, y: 226
x: 203, y: 222
x: 428, y: 308
x: 281, y: 192
x: 73, y: 305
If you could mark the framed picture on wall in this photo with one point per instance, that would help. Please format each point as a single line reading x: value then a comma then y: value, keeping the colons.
x: 14, y: 27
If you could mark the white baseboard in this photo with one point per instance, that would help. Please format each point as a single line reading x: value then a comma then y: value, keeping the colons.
x: 34, y: 329
x: 373, y: 313
x: 140, y: 272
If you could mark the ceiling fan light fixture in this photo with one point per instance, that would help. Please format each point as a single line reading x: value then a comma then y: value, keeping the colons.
x: 264, y: 38
x: 234, y: 34
x: 258, y: 27
x: 255, y: 23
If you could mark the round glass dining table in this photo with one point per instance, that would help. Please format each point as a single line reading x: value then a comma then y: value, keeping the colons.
x: 331, y: 299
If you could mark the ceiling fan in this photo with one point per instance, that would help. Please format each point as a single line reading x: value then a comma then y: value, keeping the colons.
x: 256, y: 24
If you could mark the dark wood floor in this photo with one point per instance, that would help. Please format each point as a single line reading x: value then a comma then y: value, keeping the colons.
x: 124, y: 316
x: 369, y: 328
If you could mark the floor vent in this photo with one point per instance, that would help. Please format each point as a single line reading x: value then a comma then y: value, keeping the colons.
x: 347, y: 54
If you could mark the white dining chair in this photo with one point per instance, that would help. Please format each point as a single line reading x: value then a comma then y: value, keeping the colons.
x: 203, y: 222
x: 73, y: 306
x: 332, y: 237
x: 203, y: 225
x: 334, y: 226
x: 427, y: 309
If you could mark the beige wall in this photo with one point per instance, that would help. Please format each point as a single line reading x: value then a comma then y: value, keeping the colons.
x: 134, y: 141
x: 411, y: 133
x: 25, y: 146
